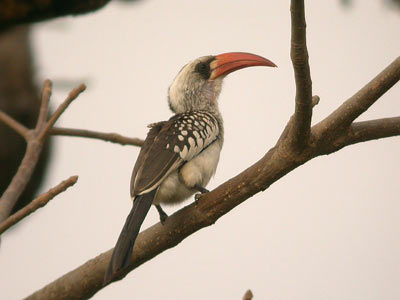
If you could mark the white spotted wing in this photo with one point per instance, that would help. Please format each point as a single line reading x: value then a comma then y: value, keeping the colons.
x: 169, y: 145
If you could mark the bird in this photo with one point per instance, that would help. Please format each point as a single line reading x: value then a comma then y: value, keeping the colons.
x: 179, y: 156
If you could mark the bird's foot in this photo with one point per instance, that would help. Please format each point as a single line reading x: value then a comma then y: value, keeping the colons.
x: 196, y: 198
x: 202, y: 190
x: 162, y: 213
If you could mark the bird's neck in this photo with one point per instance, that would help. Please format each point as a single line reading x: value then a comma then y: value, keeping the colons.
x: 186, y: 97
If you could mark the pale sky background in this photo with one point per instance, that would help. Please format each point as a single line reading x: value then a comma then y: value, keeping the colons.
x: 328, y: 230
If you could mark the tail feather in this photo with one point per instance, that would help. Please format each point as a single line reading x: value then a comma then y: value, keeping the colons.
x: 124, y: 247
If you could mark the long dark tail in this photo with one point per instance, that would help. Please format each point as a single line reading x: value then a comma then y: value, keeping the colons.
x: 124, y: 247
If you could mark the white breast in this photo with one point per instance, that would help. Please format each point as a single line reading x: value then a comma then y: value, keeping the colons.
x: 179, y: 185
x: 201, y: 168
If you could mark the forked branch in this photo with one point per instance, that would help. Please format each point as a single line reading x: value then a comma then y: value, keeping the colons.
x: 35, y: 139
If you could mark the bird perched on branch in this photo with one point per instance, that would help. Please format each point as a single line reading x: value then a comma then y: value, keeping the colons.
x: 179, y: 156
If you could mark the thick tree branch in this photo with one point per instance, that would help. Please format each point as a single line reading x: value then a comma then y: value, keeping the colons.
x: 361, y: 101
x: 300, y: 131
x: 35, y: 140
x: 37, y: 203
x: 108, y: 137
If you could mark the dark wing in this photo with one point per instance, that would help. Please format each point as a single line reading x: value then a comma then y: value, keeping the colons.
x: 170, y: 144
x: 155, y: 160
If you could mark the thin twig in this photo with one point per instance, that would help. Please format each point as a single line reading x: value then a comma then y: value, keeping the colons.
x: 14, y: 124
x: 108, y: 137
x: 63, y: 106
x: 37, y: 203
x: 44, y: 107
x: 300, y: 130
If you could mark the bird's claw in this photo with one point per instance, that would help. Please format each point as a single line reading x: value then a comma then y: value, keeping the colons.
x: 197, y: 196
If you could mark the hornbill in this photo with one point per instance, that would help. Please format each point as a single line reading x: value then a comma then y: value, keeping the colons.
x: 180, y: 155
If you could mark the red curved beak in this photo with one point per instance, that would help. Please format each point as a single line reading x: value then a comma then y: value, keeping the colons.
x: 226, y: 63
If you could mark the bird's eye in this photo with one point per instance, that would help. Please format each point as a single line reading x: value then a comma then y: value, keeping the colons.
x: 203, y: 69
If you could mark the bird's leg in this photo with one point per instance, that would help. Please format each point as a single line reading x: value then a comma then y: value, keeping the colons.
x: 162, y: 213
x: 202, y: 190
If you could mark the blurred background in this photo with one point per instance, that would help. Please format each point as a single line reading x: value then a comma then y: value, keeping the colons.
x: 328, y: 230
